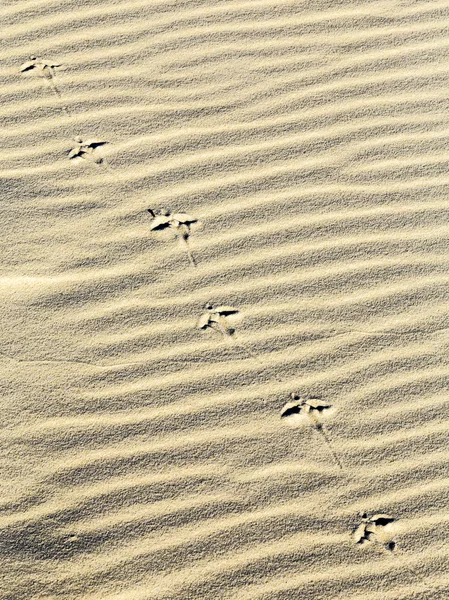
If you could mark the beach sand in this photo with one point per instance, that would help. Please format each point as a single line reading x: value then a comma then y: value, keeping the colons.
x: 143, y: 458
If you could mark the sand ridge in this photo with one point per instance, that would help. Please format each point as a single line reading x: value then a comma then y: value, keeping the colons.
x: 208, y: 206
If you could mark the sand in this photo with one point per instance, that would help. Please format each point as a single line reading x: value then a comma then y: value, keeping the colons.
x: 143, y: 458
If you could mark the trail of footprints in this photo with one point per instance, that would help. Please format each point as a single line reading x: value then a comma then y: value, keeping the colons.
x: 371, y: 530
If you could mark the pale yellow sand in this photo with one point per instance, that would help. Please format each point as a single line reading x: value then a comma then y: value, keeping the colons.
x: 145, y: 459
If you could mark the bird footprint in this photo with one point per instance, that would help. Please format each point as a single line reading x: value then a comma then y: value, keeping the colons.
x: 374, y: 528
x: 311, y: 408
x: 180, y: 223
x: 86, y: 149
x: 215, y: 318
x: 45, y: 69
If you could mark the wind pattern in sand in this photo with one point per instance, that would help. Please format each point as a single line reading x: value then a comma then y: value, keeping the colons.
x: 144, y: 458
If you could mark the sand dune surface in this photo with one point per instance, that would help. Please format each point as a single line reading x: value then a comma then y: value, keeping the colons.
x: 224, y: 300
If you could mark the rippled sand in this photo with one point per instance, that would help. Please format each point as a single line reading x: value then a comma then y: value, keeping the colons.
x: 146, y: 459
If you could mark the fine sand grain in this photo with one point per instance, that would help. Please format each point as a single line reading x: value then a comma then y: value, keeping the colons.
x: 298, y: 152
